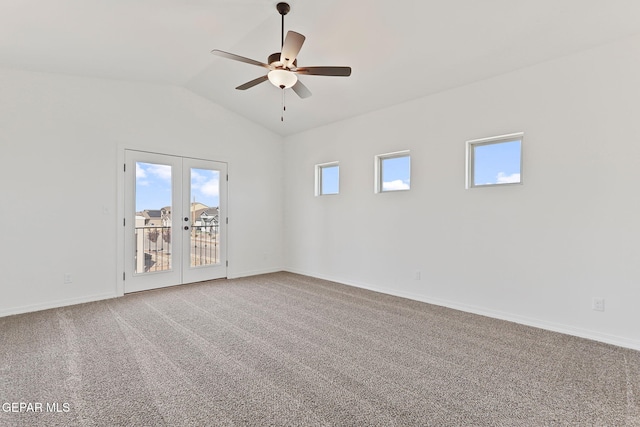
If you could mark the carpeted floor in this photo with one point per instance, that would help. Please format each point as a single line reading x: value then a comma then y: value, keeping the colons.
x: 288, y: 350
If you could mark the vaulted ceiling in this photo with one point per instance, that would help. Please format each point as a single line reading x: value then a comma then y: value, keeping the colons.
x: 399, y: 50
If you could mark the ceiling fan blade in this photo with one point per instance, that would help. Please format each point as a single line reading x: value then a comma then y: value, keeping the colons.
x: 239, y: 58
x: 325, y: 71
x: 292, y: 45
x: 253, y: 82
x: 301, y: 90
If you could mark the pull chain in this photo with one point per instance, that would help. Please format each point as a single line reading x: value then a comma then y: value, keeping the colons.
x: 284, y: 107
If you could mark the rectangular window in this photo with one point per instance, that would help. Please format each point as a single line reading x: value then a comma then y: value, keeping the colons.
x: 327, y: 179
x: 392, y: 172
x: 494, y: 161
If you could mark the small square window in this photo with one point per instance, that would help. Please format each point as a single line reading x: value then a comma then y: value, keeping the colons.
x: 393, y: 172
x: 494, y: 161
x: 327, y: 179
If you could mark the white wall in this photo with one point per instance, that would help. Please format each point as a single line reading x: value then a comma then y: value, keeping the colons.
x: 60, y: 138
x: 536, y: 253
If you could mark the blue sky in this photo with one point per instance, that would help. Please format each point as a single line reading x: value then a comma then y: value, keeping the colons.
x: 497, y: 163
x: 153, y: 186
x: 396, y: 173
x: 330, y: 180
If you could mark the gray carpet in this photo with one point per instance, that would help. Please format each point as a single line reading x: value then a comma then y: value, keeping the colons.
x: 288, y: 350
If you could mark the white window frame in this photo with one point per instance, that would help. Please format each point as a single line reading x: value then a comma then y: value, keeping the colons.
x: 470, y: 160
x: 378, y: 159
x: 318, y: 178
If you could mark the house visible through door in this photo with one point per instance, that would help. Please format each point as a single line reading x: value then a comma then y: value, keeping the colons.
x: 175, y: 220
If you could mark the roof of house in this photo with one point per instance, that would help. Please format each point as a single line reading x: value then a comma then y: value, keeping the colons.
x: 150, y: 213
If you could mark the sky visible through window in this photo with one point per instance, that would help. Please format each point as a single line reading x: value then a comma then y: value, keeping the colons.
x: 205, y: 187
x: 153, y: 186
x: 396, y: 173
x: 330, y: 179
x: 497, y: 163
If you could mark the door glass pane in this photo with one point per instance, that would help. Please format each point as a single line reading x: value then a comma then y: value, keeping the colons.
x: 153, y: 217
x: 204, y: 211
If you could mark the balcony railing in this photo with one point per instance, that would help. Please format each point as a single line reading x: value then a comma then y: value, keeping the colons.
x: 154, y: 247
x: 205, y: 245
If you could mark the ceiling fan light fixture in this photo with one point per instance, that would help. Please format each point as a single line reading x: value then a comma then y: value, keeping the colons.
x: 282, y: 78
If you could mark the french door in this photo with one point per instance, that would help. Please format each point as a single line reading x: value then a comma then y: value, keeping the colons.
x: 175, y: 220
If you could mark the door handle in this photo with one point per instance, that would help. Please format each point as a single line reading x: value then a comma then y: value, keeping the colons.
x: 186, y: 218
x: 186, y: 227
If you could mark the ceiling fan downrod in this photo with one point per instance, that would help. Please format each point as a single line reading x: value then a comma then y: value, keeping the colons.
x: 283, y: 9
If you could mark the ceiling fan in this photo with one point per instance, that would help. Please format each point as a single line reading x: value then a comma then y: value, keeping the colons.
x: 283, y: 66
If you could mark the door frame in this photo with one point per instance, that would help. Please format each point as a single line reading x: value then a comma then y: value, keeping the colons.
x: 120, y: 206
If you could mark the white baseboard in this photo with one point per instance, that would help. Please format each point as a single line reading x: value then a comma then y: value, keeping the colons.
x: 511, y: 317
x: 55, y: 304
x: 523, y: 320
x: 239, y: 274
x: 81, y: 300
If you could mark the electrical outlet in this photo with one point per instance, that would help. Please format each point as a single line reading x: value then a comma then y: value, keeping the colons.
x: 68, y: 278
x: 598, y: 304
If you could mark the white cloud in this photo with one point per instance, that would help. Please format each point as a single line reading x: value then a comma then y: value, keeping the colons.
x: 208, y: 184
x: 196, y: 178
x: 503, y: 178
x: 211, y: 188
x: 160, y: 171
x: 140, y: 173
x: 398, y: 184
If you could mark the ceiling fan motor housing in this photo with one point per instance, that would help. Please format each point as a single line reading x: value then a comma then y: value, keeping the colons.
x: 274, y: 60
